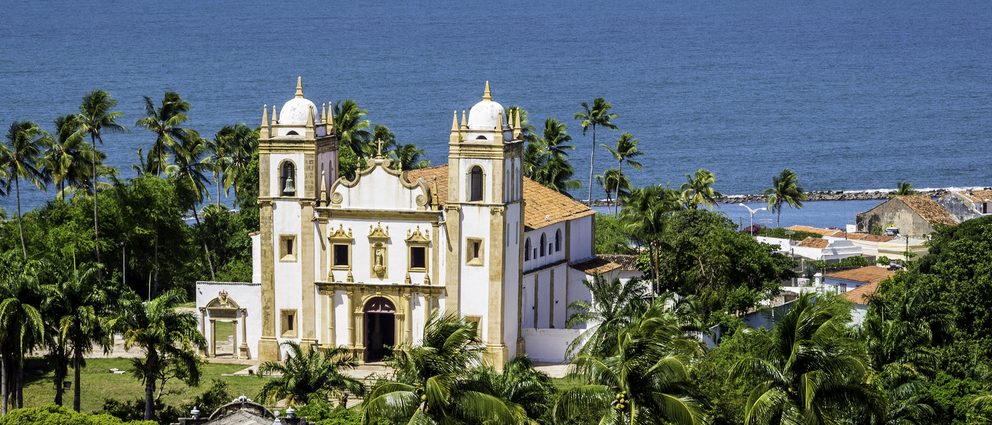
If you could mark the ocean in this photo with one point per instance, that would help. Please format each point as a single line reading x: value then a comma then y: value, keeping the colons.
x: 850, y: 94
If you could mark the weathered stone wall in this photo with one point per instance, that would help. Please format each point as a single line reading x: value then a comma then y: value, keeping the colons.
x: 896, y: 214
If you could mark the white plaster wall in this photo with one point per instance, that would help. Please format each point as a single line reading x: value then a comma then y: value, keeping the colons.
x: 329, y: 161
x: 379, y: 190
x: 550, y: 255
x: 397, y: 252
x: 560, y: 295
x: 247, y: 295
x: 527, y: 305
x: 474, y: 285
x: 581, y: 239
x: 256, y: 258
x: 341, y: 313
x: 418, y: 317
x: 275, y: 175
x: 511, y: 279
x: 549, y: 345
x: 288, y: 275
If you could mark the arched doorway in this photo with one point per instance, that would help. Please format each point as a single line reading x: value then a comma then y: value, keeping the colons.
x: 380, y: 328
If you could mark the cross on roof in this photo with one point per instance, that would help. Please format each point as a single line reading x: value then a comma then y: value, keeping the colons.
x: 379, y: 142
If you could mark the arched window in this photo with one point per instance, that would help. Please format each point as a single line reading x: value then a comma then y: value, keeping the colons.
x: 287, y: 179
x: 558, y: 240
x: 544, y: 243
x: 475, y: 184
x: 527, y: 250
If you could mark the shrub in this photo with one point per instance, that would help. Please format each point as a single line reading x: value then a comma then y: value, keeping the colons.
x: 60, y: 415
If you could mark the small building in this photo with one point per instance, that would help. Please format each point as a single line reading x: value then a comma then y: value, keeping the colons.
x: 857, y: 286
x: 242, y: 411
x: 873, y: 246
x: 911, y: 215
x: 967, y: 204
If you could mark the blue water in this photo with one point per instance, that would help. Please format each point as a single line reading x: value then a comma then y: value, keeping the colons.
x: 851, y: 94
x: 836, y: 214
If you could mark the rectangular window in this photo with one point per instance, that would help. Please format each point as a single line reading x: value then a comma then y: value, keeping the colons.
x: 418, y: 258
x: 287, y: 248
x: 474, y: 255
x: 287, y: 323
x: 341, y: 256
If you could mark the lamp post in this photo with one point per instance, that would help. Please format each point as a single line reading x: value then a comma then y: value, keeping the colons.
x: 751, y: 213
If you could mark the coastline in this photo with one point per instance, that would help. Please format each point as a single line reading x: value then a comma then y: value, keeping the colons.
x: 831, y: 195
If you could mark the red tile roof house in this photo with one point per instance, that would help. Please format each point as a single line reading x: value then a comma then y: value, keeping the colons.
x: 857, y: 286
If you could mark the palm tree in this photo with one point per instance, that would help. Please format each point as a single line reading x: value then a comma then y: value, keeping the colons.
x: 240, y: 142
x: 904, y: 188
x: 164, y: 122
x: 785, y: 190
x: 79, y: 302
x: 521, y: 384
x: 625, y: 151
x: 350, y: 127
x: 190, y: 172
x: 817, y: 372
x: 382, y: 133
x: 21, y: 324
x: 20, y: 158
x: 65, y: 153
x: 308, y: 374
x: 698, y: 190
x: 409, y: 157
x: 433, y: 384
x: 219, y: 160
x: 168, y: 337
x: 644, y: 381
x: 596, y: 116
x: 614, y: 181
x: 645, y: 212
x: 95, y: 118
x: 552, y: 168
x: 614, y: 306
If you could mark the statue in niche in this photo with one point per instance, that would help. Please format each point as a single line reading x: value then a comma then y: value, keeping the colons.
x: 379, y: 261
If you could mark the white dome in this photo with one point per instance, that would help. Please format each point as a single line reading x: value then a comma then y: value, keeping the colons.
x: 295, y: 111
x: 483, y: 115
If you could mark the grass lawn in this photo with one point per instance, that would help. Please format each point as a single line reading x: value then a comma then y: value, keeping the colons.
x: 100, y: 384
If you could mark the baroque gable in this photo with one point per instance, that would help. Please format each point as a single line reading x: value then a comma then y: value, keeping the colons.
x: 379, y: 187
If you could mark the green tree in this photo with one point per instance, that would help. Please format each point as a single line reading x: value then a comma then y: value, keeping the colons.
x: 168, y: 337
x: 310, y: 374
x: 816, y: 373
x: 78, y: 304
x: 433, y: 382
x: 611, y: 238
x: 698, y: 190
x: 590, y: 118
x: 408, y: 157
x: 239, y: 145
x: 165, y: 122
x: 614, y: 181
x: 20, y: 158
x: 95, y: 118
x: 904, y: 188
x: 352, y: 130
x: 644, y: 381
x: 546, y: 158
x: 644, y: 215
x: 21, y: 324
x: 190, y: 176
x: 785, y: 190
x: 519, y: 383
x: 66, y: 157
x: 614, y: 307
x: 624, y: 151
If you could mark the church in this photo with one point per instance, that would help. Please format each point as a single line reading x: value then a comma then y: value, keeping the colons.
x: 363, y: 263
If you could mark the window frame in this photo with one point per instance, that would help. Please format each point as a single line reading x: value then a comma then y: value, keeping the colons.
x: 288, y: 249
x: 473, y: 258
x: 283, y: 175
x: 476, y: 180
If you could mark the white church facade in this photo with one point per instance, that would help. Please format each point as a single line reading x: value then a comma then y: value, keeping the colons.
x: 362, y: 263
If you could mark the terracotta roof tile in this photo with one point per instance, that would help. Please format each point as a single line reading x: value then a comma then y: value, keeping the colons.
x: 626, y: 262
x: 867, y: 237
x: 544, y: 206
x: 817, y: 230
x: 861, y: 294
x: 868, y: 274
x: 927, y: 208
x: 978, y: 195
x: 814, y: 243
x: 596, y: 265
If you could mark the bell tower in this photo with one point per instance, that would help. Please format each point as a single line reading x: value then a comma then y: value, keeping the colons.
x: 484, y: 219
x: 297, y: 160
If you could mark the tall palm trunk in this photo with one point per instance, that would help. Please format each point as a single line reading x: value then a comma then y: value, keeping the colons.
x: 77, y: 365
x: 20, y: 225
x: 19, y: 379
x: 4, y: 387
x: 592, y: 162
x: 206, y: 252
x: 217, y: 182
x: 60, y: 373
x: 96, y: 220
x: 616, y: 208
x: 150, y: 368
